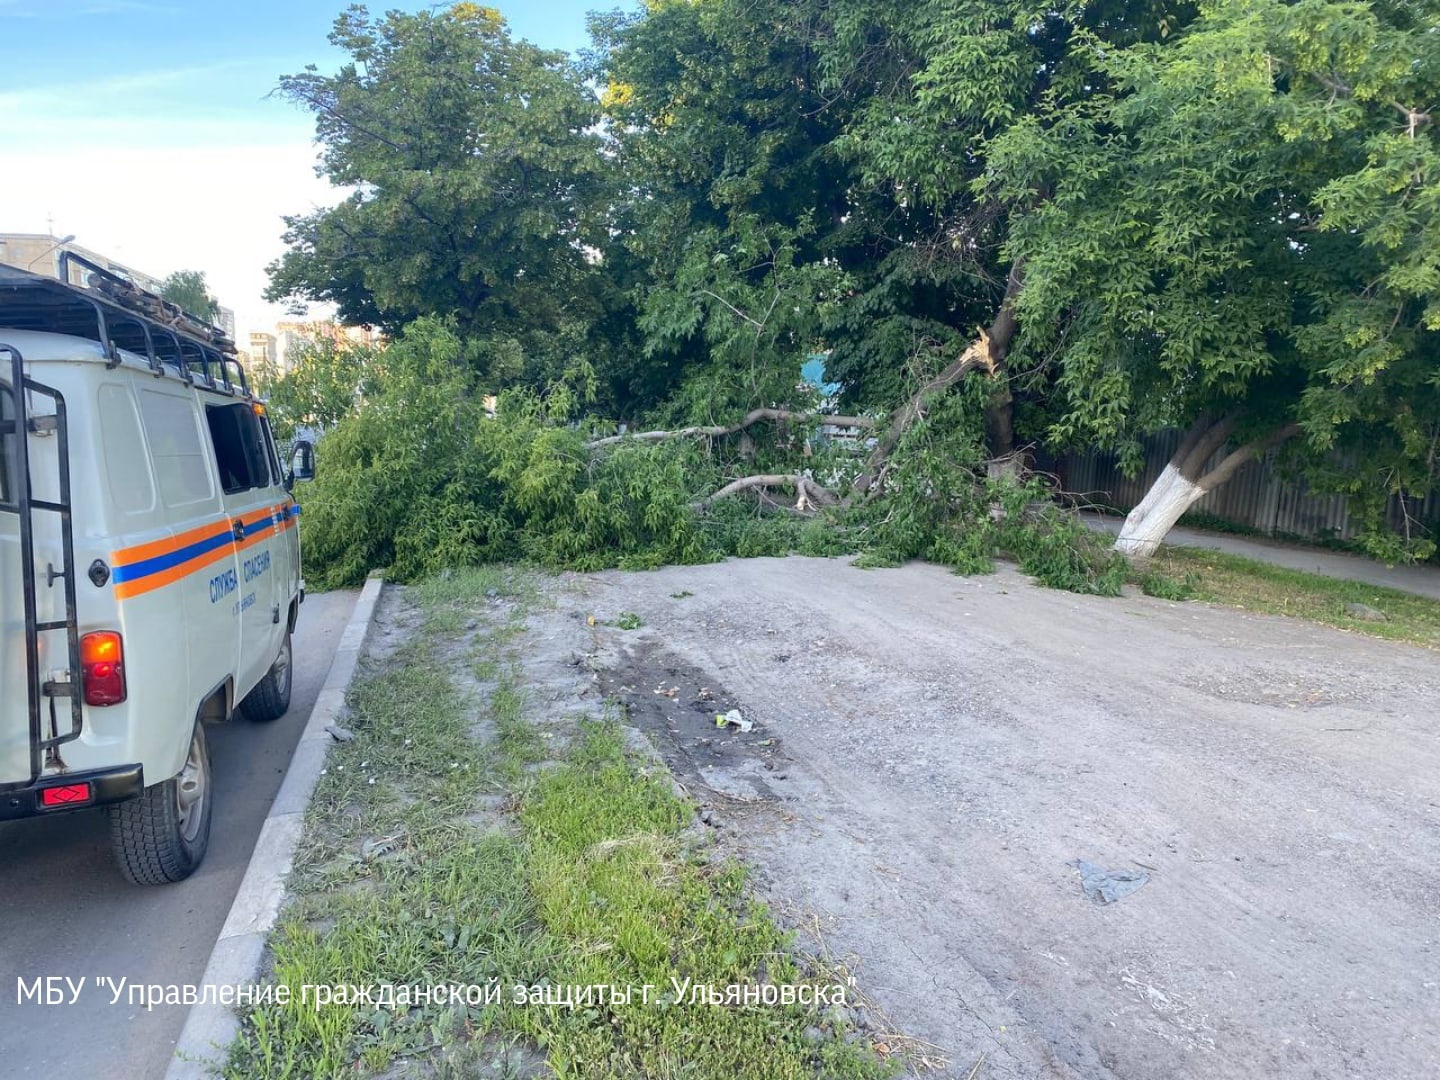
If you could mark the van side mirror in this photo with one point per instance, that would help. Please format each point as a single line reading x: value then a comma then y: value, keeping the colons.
x: 302, y: 461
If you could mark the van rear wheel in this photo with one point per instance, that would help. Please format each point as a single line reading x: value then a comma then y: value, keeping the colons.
x: 162, y: 836
x: 270, y: 699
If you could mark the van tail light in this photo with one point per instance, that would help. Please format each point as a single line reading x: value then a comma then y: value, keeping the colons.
x: 102, y: 668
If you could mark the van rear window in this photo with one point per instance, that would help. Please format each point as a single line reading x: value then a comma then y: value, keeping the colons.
x: 239, y: 444
x: 126, y: 463
x: 173, y: 432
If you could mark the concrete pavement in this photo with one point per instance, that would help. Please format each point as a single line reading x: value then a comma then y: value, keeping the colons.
x: 69, y: 913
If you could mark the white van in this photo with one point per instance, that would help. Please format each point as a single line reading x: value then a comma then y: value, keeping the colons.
x: 149, y: 560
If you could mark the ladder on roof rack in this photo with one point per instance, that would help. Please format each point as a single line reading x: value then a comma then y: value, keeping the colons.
x: 44, y: 748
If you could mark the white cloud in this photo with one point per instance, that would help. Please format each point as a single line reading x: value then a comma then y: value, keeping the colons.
x: 215, y: 209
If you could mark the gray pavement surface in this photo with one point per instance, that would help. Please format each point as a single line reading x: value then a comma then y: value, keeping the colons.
x: 1421, y: 580
x: 69, y: 913
x: 932, y: 756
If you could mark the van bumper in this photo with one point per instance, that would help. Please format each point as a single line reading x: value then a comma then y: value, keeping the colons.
x: 105, y: 786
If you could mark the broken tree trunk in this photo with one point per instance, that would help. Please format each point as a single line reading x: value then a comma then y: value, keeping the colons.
x: 987, y: 351
x: 754, y: 416
x: 1182, y: 482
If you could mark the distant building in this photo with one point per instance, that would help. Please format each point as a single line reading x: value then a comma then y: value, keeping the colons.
x: 40, y: 254
x: 290, y: 335
x: 261, y: 359
x: 262, y: 348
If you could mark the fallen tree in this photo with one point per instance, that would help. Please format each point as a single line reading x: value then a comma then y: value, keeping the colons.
x: 980, y: 355
x: 986, y: 353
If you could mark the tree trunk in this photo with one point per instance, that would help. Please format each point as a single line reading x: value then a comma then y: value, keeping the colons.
x: 1149, y: 523
x: 810, y: 495
x: 987, y: 351
x: 1000, y: 422
x: 1182, y: 482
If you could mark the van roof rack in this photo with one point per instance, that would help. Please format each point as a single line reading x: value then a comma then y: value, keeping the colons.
x: 120, y: 315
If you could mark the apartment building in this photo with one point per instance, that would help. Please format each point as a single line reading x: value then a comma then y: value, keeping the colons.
x: 39, y: 253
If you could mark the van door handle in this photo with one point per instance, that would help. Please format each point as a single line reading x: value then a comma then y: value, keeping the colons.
x: 237, y: 529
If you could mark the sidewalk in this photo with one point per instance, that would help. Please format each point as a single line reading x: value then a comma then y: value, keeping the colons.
x: 1420, y: 580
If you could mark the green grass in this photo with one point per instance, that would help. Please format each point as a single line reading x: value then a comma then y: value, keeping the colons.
x: 441, y: 848
x: 1234, y: 581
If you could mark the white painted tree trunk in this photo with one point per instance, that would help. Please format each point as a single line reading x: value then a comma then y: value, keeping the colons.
x: 1148, y: 524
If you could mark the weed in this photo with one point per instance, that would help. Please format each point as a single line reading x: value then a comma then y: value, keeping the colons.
x: 1163, y: 587
x: 585, y: 875
x: 1254, y: 586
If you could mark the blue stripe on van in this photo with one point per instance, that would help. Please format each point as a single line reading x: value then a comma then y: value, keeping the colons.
x: 158, y: 563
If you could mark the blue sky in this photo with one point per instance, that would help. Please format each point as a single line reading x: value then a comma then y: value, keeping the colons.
x: 143, y: 126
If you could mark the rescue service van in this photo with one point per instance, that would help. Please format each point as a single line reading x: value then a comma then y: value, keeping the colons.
x: 149, y: 560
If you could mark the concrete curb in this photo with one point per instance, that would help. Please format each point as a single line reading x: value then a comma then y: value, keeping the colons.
x: 235, y: 960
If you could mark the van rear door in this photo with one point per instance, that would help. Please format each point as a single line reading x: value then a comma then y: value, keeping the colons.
x: 14, y: 704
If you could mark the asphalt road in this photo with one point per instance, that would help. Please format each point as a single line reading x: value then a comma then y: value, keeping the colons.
x: 67, y: 911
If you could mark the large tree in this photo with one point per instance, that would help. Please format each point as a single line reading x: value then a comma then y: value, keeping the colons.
x: 1238, y: 236
x: 471, y: 163
x: 841, y: 148
x: 1110, y: 216
x: 188, y: 289
x: 725, y: 191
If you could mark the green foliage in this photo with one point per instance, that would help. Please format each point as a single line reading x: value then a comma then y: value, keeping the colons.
x: 473, y: 166
x: 1225, y: 210
x: 941, y: 505
x: 1054, y: 546
x: 936, y: 500
x: 1164, y: 587
x: 188, y: 289
x: 1240, y: 220
x: 324, y: 383
x: 418, y: 478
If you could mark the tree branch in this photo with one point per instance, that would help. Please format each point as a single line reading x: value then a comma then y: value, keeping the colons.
x: 987, y: 351
x: 1226, y: 469
x: 736, y: 311
x: 1205, y: 445
x: 753, y: 417
x: 811, y: 494
x: 976, y: 356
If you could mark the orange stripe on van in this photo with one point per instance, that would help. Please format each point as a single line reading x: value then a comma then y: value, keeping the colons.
x: 127, y: 589
x: 225, y: 547
x: 141, y: 552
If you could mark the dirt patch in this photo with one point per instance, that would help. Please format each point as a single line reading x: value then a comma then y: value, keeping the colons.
x: 717, y: 763
x: 931, y: 753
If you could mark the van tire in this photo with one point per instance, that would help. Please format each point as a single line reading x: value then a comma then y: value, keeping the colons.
x: 162, y: 835
x: 270, y: 699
